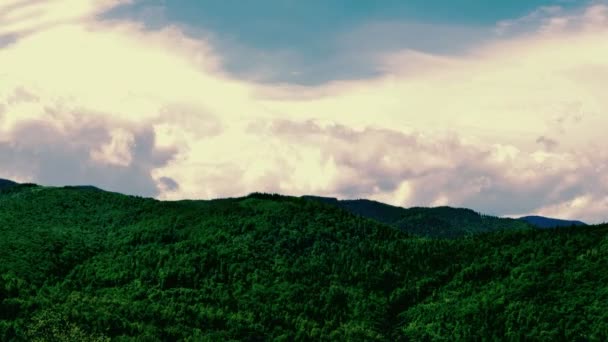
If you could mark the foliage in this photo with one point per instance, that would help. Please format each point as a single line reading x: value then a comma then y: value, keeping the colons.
x: 83, y: 264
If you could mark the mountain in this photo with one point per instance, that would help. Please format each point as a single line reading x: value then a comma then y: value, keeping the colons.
x: 446, y: 222
x: 5, y: 183
x: 547, y: 222
x: 79, y: 264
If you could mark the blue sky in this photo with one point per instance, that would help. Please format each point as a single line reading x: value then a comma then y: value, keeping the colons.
x: 311, y: 42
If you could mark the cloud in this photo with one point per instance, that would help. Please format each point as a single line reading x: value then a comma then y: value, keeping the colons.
x: 418, y: 169
x: 42, y: 152
x: 20, y: 17
x: 548, y: 143
x: 513, y: 125
x: 108, y: 103
x: 548, y: 20
x: 168, y: 184
x: 589, y: 207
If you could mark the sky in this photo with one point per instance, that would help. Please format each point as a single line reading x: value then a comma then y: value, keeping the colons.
x: 495, y: 106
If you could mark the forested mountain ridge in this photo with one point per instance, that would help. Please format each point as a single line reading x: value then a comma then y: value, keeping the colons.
x: 431, y: 222
x: 5, y: 183
x: 88, y: 265
x: 547, y: 222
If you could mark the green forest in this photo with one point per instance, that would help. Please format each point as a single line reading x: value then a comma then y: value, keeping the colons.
x: 81, y: 264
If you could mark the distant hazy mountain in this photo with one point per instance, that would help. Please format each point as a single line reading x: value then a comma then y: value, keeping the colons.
x: 432, y: 222
x: 547, y: 222
x: 5, y: 183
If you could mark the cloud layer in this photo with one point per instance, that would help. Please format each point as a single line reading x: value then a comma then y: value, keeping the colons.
x: 513, y: 126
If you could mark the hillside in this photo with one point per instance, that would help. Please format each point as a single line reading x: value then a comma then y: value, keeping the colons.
x: 547, y: 222
x: 443, y: 222
x: 5, y: 184
x: 88, y: 265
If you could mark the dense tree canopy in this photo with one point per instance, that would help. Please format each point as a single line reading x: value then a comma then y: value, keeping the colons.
x: 88, y: 265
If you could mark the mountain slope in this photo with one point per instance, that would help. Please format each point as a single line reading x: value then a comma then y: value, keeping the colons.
x: 547, y: 222
x: 5, y: 183
x: 444, y: 222
x: 82, y: 264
